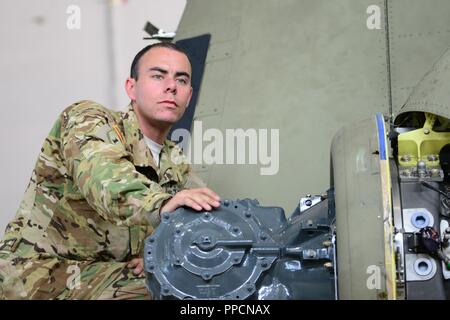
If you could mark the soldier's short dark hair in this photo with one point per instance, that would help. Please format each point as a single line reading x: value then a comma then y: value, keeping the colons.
x: 169, y: 45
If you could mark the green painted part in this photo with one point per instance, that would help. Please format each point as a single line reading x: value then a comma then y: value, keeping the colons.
x: 359, y: 212
x: 432, y: 93
x: 419, y: 34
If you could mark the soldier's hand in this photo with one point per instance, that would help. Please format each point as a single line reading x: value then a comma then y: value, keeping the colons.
x: 197, y: 199
x: 137, y: 264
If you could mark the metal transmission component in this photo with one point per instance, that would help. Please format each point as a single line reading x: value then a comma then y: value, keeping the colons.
x: 239, y: 251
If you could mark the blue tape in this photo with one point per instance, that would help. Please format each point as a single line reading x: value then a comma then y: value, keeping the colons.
x: 381, y: 138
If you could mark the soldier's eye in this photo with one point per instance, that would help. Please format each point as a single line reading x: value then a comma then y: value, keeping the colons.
x: 157, y: 76
x: 182, y: 81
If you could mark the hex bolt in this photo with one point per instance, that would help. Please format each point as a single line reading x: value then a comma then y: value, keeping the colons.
x: 226, y: 203
x: 426, y: 130
x: 327, y: 243
x: 421, y: 168
x: 311, y: 253
x: 328, y: 265
x: 435, y: 172
x: 446, y: 238
x: 405, y: 158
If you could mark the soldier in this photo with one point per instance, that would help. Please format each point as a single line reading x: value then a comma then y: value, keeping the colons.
x: 101, y: 180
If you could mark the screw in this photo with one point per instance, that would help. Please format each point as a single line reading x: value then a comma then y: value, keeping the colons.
x: 264, y: 263
x: 206, y: 276
x: 206, y: 239
x: 405, y: 158
x: 426, y: 130
x: 328, y: 265
x: 435, y: 172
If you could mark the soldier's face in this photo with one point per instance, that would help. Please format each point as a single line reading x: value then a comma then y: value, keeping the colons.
x: 163, y: 89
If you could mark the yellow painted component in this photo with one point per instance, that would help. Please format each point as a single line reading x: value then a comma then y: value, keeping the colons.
x: 389, y: 252
x: 422, y: 144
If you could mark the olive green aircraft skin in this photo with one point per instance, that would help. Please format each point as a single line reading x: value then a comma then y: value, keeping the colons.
x: 306, y: 68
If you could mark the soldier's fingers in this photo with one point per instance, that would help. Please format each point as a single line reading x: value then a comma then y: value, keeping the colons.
x: 138, y: 270
x: 204, y: 200
x: 192, y: 203
x: 210, y: 200
x: 210, y: 193
x: 133, y: 263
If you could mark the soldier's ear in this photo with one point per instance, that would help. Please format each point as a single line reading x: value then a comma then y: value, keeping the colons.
x: 130, y: 87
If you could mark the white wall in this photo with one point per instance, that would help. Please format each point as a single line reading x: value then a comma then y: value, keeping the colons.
x: 44, y: 67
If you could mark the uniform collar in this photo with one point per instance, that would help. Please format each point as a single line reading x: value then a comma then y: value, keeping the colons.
x: 142, y: 157
x: 134, y: 140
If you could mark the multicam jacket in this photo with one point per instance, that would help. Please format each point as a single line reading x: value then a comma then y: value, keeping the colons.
x: 95, y: 192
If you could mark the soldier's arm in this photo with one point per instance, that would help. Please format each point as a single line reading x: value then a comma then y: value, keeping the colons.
x: 105, y: 176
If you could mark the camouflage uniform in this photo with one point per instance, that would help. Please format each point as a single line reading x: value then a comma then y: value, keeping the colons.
x: 93, y: 197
